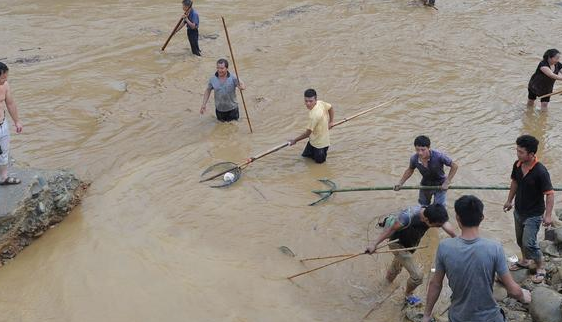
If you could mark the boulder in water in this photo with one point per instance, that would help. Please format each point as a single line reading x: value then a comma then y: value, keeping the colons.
x: 42, y: 199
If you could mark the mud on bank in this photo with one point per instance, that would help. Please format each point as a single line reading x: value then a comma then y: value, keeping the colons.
x: 43, y: 199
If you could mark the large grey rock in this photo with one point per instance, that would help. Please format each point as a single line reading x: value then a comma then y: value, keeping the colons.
x: 520, y: 276
x: 414, y: 313
x: 557, y: 235
x: 545, y: 305
x: 549, y: 248
x: 554, y: 272
x: 28, y: 209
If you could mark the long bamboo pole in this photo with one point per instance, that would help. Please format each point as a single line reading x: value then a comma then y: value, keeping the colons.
x: 386, y: 188
x: 173, y: 32
x: 281, y: 146
x: 353, y: 256
x: 551, y: 94
x: 237, y: 75
x: 344, y: 255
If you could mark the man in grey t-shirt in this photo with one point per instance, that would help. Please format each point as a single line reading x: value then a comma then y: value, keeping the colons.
x: 471, y: 263
x: 224, y: 84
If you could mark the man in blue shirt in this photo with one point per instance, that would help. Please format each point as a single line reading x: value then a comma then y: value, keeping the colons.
x: 430, y: 164
x: 191, y: 19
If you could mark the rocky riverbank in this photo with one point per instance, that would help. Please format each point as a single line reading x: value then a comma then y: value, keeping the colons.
x: 27, y: 210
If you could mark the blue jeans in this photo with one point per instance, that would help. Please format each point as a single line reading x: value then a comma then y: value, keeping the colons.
x: 439, y: 197
x: 526, y: 230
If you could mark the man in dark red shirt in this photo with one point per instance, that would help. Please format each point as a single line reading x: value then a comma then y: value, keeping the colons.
x: 530, y: 183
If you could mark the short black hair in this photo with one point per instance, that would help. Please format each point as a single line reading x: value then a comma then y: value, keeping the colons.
x: 222, y: 61
x: 528, y: 142
x: 436, y: 214
x: 422, y: 140
x: 309, y: 93
x: 3, y: 68
x: 550, y: 54
x: 470, y: 210
x: 187, y: 3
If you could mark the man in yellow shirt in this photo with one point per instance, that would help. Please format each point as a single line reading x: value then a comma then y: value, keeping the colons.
x: 321, y: 119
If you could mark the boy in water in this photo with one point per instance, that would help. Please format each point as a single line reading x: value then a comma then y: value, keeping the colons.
x: 191, y: 19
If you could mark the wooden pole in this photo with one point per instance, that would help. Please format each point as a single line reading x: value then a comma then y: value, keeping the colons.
x: 332, y: 263
x: 281, y: 146
x: 344, y: 255
x: 353, y: 256
x: 173, y: 33
x: 399, y: 249
x: 363, y: 112
x: 237, y: 75
x: 551, y: 94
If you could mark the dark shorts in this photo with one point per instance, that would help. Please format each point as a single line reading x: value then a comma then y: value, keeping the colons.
x: 532, y: 96
x: 318, y: 155
x: 231, y: 115
x: 193, y: 37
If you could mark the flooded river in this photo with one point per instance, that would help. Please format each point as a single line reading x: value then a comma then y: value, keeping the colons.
x: 149, y: 243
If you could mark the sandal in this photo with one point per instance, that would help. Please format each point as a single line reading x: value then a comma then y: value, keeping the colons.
x: 538, y: 277
x: 10, y: 181
x: 517, y: 266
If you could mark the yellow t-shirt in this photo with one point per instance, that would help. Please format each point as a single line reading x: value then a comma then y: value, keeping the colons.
x: 318, y: 124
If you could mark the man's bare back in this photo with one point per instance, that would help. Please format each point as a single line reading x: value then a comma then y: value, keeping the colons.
x: 8, y: 105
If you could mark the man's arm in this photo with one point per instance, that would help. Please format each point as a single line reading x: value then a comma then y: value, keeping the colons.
x: 513, y: 289
x: 407, y: 174
x: 13, y: 109
x: 385, y: 235
x: 547, y: 219
x: 191, y: 24
x: 433, y: 292
x: 300, y: 137
x: 241, y: 85
x: 205, y: 100
x: 512, y: 189
x: 449, y: 229
x: 186, y: 21
x: 182, y: 23
x: 331, y: 114
x: 452, y: 172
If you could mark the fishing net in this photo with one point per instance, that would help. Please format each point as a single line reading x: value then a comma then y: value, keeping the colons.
x: 222, y: 174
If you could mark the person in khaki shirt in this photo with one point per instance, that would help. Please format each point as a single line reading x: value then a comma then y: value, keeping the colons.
x: 321, y: 119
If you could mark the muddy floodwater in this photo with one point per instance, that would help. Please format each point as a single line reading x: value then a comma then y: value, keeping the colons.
x: 150, y: 243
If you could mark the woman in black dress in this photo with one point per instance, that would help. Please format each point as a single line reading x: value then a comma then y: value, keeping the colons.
x: 542, y: 81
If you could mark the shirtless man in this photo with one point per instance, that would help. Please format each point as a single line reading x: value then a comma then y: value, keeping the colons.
x: 8, y: 100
